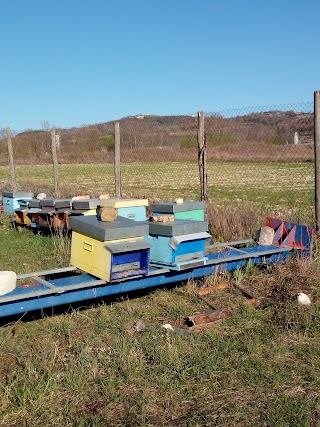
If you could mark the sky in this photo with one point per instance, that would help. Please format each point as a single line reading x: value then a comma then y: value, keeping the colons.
x: 76, y: 62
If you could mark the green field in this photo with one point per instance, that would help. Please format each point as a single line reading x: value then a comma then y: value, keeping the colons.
x: 270, y: 186
x: 91, y: 368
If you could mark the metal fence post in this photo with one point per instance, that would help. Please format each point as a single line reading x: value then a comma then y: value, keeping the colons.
x: 117, y: 160
x: 202, y: 157
x: 317, y: 155
x: 55, y: 163
x: 11, y: 163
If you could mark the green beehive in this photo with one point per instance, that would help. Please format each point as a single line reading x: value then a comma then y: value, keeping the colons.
x: 189, y: 209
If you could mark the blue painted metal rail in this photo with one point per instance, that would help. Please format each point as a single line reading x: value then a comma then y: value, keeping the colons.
x: 47, y: 291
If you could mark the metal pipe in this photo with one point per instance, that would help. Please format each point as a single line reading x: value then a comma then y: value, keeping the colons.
x: 317, y: 156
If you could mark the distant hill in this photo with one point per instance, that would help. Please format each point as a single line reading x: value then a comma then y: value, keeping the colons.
x: 90, y: 143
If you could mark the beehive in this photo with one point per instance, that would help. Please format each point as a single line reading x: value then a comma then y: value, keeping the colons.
x: 83, y: 207
x: 62, y: 203
x: 34, y: 217
x: 191, y: 209
x: 47, y: 203
x: 135, y: 209
x: 109, y: 250
x: 21, y: 217
x: 179, y: 244
x: 85, y: 204
x: 13, y: 200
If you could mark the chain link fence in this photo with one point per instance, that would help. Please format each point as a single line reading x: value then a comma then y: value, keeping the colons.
x: 159, y: 156
x: 262, y: 157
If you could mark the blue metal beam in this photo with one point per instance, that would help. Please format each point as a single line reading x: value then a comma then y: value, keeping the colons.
x: 85, y: 287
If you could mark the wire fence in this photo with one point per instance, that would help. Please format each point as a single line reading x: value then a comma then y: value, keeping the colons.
x: 258, y: 156
x: 264, y: 156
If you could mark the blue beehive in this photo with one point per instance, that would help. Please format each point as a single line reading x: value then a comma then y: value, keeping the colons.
x: 13, y: 200
x: 135, y: 209
x: 179, y: 244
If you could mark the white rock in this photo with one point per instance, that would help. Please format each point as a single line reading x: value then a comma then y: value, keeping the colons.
x: 265, y: 236
x: 41, y: 196
x: 179, y: 201
x: 140, y: 326
x: 303, y: 299
x: 8, y: 280
x: 85, y: 197
x: 168, y: 326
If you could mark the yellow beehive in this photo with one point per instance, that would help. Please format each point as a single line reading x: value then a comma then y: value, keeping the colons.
x: 91, y: 255
x: 90, y: 212
x: 109, y: 250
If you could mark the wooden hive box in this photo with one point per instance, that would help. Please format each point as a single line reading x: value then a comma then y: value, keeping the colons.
x: 135, y: 209
x: 13, y: 200
x: 191, y: 209
x: 22, y: 217
x: 109, y: 250
x: 179, y: 244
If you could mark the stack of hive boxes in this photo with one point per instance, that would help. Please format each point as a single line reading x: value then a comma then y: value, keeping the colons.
x: 112, y: 249
x: 178, y: 242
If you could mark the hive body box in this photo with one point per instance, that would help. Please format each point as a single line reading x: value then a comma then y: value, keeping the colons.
x: 34, y: 217
x: 135, y: 209
x: 13, y: 200
x: 187, y: 210
x: 22, y: 217
x: 86, y: 204
x: 178, y: 245
x: 109, y: 250
x: 83, y: 207
x: 53, y: 213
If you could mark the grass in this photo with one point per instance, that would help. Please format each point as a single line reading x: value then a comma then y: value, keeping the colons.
x: 91, y: 368
x: 23, y: 251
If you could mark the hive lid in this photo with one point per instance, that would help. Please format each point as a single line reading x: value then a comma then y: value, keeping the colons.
x: 48, y: 211
x: 23, y: 202
x: 34, y: 203
x: 173, y: 207
x: 34, y: 210
x: 62, y: 210
x: 128, y: 246
x: 176, y: 240
x: 177, y: 228
x: 120, y: 228
x: 17, y: 194
x: 86, y: 204
x: 62, y: 203
x: 47, y: 201
x: 116, y: 202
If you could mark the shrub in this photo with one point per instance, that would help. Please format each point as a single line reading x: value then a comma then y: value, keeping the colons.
x: 188, y: 141
x: 108, y: 142
x: 279, y: 139
x: 219, y: 138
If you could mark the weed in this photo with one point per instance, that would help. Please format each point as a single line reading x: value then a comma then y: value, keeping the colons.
x: 238, y: 275
x: 61, y: 246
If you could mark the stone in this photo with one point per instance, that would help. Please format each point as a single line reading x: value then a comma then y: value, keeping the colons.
x: 8, y: 280
x: 41, y: 196
x: 265, y: 236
